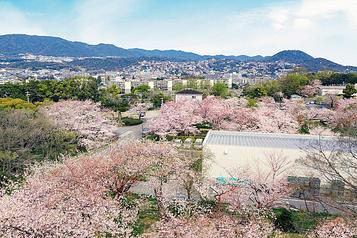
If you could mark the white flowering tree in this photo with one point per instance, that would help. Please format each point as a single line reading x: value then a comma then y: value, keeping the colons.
x: 94, y: 124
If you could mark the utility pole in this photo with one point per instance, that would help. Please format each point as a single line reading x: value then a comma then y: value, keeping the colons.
x: 28, y: 96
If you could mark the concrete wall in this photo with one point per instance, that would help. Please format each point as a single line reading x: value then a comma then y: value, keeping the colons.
x: 185, y: 97
x: 151, y: 85
x: 227, y: 160
x: 169, y: 85
x: 333, y: 90
x: 127, y: 87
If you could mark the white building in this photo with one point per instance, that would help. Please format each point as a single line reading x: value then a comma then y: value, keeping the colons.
x: 233, y: 151
x: 331, y: 90
x: 188, y: 94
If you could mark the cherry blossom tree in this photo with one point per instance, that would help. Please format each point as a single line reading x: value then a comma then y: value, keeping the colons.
x: 214, y: 111
x: 322, y: 131
x: 82, y: 196
x: 321, y: 114
x: 62, y: 200
x: 211, y: 226
x: 228, y: 114
x: 272, y: 119
x: 311, y: 89
x: 345, y: 118
x: 94, y: 124
x: 296, y: 108
x: 233, y: 114
x: 338, y: 164
x: 176, y: 118
x: 337, y: 227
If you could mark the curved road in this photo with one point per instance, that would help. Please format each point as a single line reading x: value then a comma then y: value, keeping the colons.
x: 135, y: 132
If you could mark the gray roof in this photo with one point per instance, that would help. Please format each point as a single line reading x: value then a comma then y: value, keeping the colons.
x: 267, y: 140
x: 189, y: 91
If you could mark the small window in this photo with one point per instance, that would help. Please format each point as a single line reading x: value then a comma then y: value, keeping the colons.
x: 194, y: 97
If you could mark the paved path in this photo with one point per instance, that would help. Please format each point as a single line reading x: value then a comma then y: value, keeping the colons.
x: 135, y: 132
x: 316, y: 206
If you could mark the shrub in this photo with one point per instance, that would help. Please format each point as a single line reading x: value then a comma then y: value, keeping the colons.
x: 284, y: 220
x: 252, y: 102
x: 152, y: 137
x: 128, y: 121
x: 297, y: 221
x: 11, y: 103
x: 204, y: 125
x: 304, y: 129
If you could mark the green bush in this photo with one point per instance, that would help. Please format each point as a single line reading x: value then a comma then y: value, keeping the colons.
x: 284, y: 220
x: 152, y: 137
x: 197, y: 165
x: 204, y: 125
x: 304, y: 129
x: 252, y: 102
x: 128, y: 121
x: 15, y: 103
x: 297, y: 221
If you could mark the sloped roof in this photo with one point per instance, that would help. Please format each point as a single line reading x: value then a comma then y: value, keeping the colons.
x: 189, y: 91
x: 267, y: 140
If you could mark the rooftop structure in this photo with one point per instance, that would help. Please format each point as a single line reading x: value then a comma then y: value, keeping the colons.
x: 264, y: 140
x: 189, y: 91
x: 188, y: 94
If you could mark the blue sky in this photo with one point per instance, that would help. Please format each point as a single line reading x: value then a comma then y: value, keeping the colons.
x: 323, y: 28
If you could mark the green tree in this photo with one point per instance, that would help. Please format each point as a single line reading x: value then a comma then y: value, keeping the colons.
x: 178, y: 87
x: 27, y: 137
x: 252, y: 102
x: 293, y: 83
x: 13, y: 90
x: 255, y: 91
x: 158, y: 98
x: 144, y: 89
x: 349, y: 91
x: 220, y: 89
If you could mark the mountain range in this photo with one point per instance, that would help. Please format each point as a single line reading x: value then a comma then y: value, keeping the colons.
x: 15, y: 44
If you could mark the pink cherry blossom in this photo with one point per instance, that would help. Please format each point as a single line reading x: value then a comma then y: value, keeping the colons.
x: 335, y: 228
x: 311, y: 89
x: 72, y: 199
x: 94, y: 124
x: 211, y: 226
x: 176, y: 118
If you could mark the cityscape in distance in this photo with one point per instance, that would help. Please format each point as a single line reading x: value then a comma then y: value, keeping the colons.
x: 180, y: 118
x: 27, y: 56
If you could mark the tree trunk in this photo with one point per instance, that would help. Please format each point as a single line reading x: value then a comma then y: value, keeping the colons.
x: 159, y: 198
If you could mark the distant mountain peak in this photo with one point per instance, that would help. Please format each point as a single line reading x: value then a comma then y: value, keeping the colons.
x: 292, y: 55
x: 15, y: 44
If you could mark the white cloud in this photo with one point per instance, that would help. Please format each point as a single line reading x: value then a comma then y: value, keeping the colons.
x: 15, y: 21
x: 322, y: 28
x: 99, y: 21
